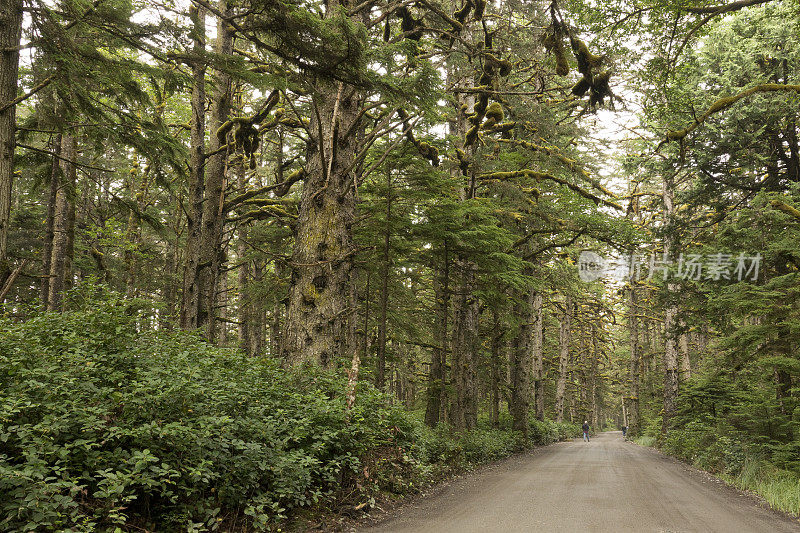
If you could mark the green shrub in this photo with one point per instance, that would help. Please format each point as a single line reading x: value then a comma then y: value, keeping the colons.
x: 102, y: 426
x: 542, y: 432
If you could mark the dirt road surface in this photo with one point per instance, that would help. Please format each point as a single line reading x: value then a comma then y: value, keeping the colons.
x: 605, y: 485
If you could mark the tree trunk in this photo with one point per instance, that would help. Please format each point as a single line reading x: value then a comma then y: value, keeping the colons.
x: 10, y: 35
x: 380, y: 364
x: 320, y: 299
x: 671, y: 362
x: 221, y: 304
x: 595, y: 410
x: 538, y: 355
x: 245, y: 303
x: 190, y: 304
x: 436, y: 382
x: 563, y: 357
x: 63, y: 225
x: 522, y: 363
x: 258, y: 316
x: 582, y: 361
x: 635, y: 371
x: 173, y: 268
x: 211, y: 255
x: 365, y: 346
x: 47, y: 249
x: 464, y: 408
x: 496, y: 344
x: 683, y: 348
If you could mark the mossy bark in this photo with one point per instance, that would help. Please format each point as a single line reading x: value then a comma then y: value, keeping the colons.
x: 563, y: 357
x: 190, y: 303
x: 436, y: 400
x: 211, y: 254
x: 538, y: 355
x: 634, y: 364
x: 11, y: 18
x: 317, y: 322
x: 63, y: 225
x: 522, y: 363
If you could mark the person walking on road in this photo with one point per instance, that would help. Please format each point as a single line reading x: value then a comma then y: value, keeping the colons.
x: 585, y: 428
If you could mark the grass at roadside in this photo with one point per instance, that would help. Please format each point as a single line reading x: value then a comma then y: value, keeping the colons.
x: 779, y: 488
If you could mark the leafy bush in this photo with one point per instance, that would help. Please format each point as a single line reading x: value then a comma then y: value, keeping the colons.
x: 542, y: 432
x: 101, y: 426
x: 455, y: 451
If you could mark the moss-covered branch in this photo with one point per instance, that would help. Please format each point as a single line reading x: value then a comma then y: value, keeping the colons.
x: 786, y: 208
x: 538, y: 176
x: 723, y: 104
x: 566, y: 161
x: 280, y: 189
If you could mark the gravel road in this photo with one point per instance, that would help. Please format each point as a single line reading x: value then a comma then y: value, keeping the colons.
x: 605, y: 485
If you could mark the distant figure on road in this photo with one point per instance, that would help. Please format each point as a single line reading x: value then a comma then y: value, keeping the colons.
x: 624, y: 431
x: 585, y: 428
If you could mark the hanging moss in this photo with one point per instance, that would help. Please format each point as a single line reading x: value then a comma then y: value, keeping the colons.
x: 586, y: 60
x: 600, y: 88
x: 495, y: 111
x: 471, y: 136
x: 562, y: 64
x: 580, y: 88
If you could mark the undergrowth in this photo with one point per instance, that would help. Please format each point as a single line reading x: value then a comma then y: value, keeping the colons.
x: 105, y: 428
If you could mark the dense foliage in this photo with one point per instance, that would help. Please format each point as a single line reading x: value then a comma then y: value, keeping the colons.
x: 336, y: 247
x: 105, y: 426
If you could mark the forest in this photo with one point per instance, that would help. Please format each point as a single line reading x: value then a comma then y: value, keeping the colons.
x: 266, y: 264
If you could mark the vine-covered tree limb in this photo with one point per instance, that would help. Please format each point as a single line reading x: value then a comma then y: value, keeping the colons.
x: 723, y: 104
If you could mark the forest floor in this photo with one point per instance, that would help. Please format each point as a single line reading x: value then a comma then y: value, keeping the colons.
x: 605, y: 485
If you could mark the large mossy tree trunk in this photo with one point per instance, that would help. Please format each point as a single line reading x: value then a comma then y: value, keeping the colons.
x: 213, y: 215
x: 52, y: 195
x: 671, y: 356
x: 564, y: 330
x: 464, y: 407
x: 538, y: 355
x: 190, y: 303
x: 10, y: 35
x: 634, y: 365
x: 522, y: 363
x: 320, y: 296
x: 380, y: 363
